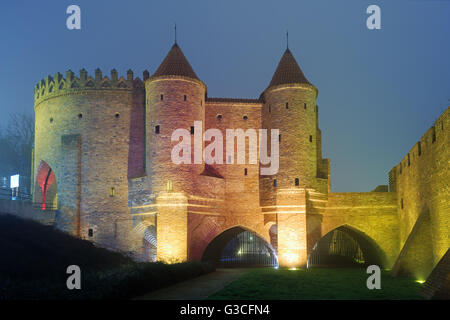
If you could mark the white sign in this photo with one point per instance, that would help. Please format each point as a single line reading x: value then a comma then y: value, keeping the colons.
x: 14, y: 181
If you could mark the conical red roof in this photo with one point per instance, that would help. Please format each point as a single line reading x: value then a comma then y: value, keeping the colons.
x: 288, y: 71
x: 175, y: 64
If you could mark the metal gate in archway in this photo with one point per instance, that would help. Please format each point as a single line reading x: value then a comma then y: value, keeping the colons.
x: 240, y: 248
x: 337, y: 248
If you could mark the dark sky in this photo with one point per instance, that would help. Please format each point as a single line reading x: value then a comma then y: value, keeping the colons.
x: 379, y: 91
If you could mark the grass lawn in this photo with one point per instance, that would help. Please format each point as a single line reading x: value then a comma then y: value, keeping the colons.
x: 317, y: 283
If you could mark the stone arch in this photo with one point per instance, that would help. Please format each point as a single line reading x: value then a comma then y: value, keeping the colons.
x: 149, y: 244
x: 370, y: 250
x: 140, y: 228
x: 202, y: 229
x: 271, y: 229
x: 259, y: 252
x: 269, y: 225
x: 46, y: 187
x: 145, y: 237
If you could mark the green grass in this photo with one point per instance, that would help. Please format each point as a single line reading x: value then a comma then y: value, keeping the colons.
x: 318, y: 283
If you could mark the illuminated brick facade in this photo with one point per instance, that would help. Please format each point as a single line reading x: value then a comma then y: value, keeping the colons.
x: 107, y: 141
x: 421, y: 181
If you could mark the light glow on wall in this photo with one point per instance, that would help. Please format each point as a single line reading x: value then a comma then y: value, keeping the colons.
x: 420, y: 281
x: 171, y: 227
x: 291, y: 258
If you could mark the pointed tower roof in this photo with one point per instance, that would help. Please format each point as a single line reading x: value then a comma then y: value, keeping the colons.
x: 175, y: 64
x: 288, y: 71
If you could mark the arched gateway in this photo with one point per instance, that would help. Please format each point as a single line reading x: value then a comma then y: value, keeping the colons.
x: 45, y: 193
x: 345, y: 246
x: 238, y: 247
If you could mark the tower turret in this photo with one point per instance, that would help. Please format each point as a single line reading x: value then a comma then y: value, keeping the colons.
x: 175, y: 98
x: 290, y: 106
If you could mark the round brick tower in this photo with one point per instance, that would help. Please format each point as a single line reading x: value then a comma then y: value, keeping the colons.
x: 82, y: 143
x: 290, y: 106
x: 175, y: 98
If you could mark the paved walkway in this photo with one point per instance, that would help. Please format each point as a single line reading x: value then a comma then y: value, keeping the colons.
x: 198, y: 288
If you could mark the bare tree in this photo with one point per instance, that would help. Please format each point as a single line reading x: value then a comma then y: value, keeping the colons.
x: 21, y: 128
x: 16, y: 144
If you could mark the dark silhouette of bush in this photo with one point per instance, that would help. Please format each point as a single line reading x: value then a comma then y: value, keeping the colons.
x: 34, y: 259
x: 30, y: 250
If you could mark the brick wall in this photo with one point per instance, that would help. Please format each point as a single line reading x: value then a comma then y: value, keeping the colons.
x: 416, y: 256
x: 136, y: 156
x: 292, y: 110
x: 421, y: 180
x: 372, y: 213
x: 26, y: 210
x: 89, y: 160
x: 168, y: 109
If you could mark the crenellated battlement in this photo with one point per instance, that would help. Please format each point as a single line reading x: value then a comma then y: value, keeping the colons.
x: 430, y: 142
x: 58, y: 84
